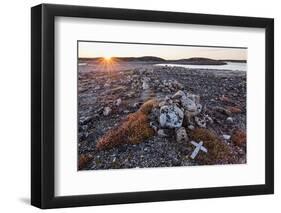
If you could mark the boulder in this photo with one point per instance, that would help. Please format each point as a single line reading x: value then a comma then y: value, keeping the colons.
x: 193, y: 97
x: 190, y: 114
x: 178, y: 94
x: 188, y: 104
x: 171, y: 116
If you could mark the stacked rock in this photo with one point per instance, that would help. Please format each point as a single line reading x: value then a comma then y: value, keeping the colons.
x: 172, y: 111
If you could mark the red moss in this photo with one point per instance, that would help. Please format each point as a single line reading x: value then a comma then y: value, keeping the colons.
x: 148, y: 106
x: 84, y: 159
x: 239, y: 137
x: 133, y: 130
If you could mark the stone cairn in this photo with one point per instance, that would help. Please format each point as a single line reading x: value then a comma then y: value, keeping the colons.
x: 178, y: 112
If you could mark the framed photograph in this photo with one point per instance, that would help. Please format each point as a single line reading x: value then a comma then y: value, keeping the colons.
x: 139, y: 106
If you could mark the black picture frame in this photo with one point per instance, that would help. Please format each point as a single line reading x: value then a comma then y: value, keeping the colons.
x: 43, y: 102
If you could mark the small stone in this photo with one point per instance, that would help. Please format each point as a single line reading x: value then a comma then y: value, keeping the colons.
x: 145, y: 85
x: 199, y: 108
x: 226, y: 137
x: 181, y: 135
x: 234, y: 109
x: 209, y: 119
x: 137, y: 105
x: 229, y: 120
x: 107, y: 111
x: 223, y: 110
x: 106, y: 85
x: 178, y: 94
x: 153, y: 126
x: 161, y: 133
x: 162, y: 103
x: 201, y: 122
x: 85, y: 120
x: 191, y: 127
x: 130, y: 94
x: 118, y: 102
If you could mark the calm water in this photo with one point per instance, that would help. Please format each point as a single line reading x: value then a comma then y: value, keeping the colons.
x: 228, y: 66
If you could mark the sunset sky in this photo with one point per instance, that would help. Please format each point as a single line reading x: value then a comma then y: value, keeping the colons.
x: 106, y: 49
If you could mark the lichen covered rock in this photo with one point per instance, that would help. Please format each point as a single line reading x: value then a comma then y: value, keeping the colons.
x: 171, y: 116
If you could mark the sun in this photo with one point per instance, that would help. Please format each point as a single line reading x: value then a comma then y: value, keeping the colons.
x: 107, y: 58
x: 108, y: 63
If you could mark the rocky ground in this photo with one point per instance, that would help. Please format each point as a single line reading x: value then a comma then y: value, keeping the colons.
x: 193, y: 105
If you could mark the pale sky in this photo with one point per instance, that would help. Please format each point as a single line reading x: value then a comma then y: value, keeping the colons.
x: 106, y: 49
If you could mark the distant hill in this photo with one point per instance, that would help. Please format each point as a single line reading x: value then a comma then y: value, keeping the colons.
x: 198, y: 61
x: 144, y: 58
x: 153, y: 59
x: 235, y: 61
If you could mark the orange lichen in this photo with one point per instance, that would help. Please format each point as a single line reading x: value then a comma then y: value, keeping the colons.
x: 132, y: 130
x: 218, y: 152
x: 84, y: 159
x: 239, y: 137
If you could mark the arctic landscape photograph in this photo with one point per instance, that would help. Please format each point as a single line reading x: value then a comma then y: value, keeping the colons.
x: 160, y: 105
